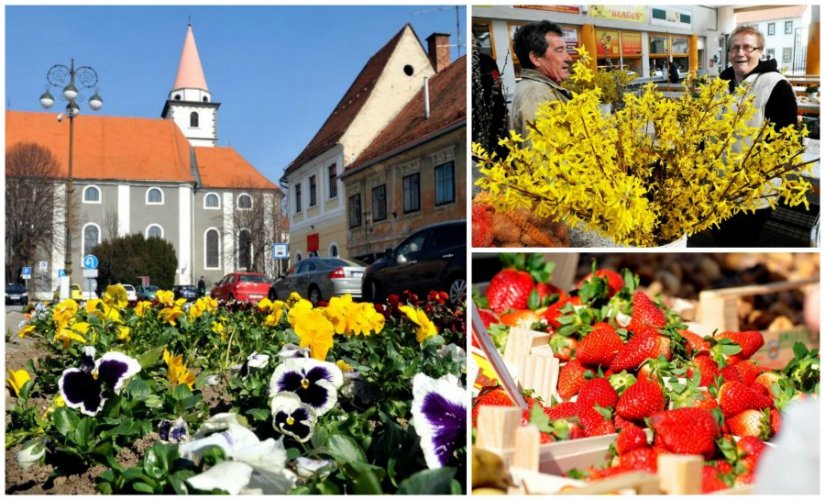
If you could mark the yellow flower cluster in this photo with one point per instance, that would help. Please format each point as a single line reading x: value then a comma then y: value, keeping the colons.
x: 17, y: 379
x: 201, y: 306
x: 424, y: 327
x: 650, y: 173
x: 274, y: 311
x: 67, y: 327
x: 177, y: 372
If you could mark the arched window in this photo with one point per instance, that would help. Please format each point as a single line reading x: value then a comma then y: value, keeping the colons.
x: 212, y: 249
x: 205, y: 99
x: 91, y: 194
x: 154, y: 196
x: 177, y: 97
x: 244, y: 202
x: 245, y: 249
x: 91, y: 238
x: 211, y: 200
x: 193, y: 119
x: 154, y: 231
x: 333, y: 250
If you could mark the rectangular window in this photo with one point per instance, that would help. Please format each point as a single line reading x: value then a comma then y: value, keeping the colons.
x: 412, y: 193
x: 355, y: 210
x: 786, y: 54
x: 788, y: 27
x: 333, y: 182
x: 379, y: 203
x: 298, y: 197
x: 444, y: 184
x: 771, y: 28
x: 312, y: 199
x: 771, y: 54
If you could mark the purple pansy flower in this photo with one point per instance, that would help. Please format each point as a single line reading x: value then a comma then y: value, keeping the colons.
x: 173, y: 431
x: 82, y: 388
x: 315, y: 382
x: 293, y: 417
x: 439, y: 414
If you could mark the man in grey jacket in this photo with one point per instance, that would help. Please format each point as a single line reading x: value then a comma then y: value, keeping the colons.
x: 545, y: 64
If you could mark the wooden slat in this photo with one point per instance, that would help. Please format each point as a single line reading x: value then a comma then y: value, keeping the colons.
x: 680, y: 474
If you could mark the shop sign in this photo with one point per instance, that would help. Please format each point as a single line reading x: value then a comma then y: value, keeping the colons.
x: 631, y: 43
x: 566, y: 9
x: 633, y: 14
x: 571, y: 39
x: 607, y: 43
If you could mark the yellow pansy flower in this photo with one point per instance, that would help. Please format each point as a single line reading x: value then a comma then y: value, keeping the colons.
x: 142, y: 307
x: 343, y: 365
x: 298, y: 309
x: 220, y: 329
x: 67, y: 333
x: 338, y: 312
x: 196, y: 311
x: 165, y: 297
x: 424, y: 328
x: 264, y: 305
x: 64, y: 311
x: 315, y: 332
x: 26, y: 330
x: 177, y: 372
x: 274, y: 318
x: 99, y: 308
x: 124, y: 333
x: 170, y: 315
x: 17, y: 379
x: 115, y: 296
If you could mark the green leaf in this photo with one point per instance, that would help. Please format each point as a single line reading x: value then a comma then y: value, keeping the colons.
x: 365, y: 478
x: 141, y: 487
x: 151, y: 357
x: 428, y: 482
x: 259, y: 414
x: 345, y: 450
x: 799, y: 350
x: 84, y: 431
x: 65, y: 420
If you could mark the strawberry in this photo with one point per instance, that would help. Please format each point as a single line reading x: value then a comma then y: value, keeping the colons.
x: 715, y: 478
x: 600, y: 346
x: 596, y: 424
x: 767, y: 379
x: 750, y: 423
x: 483, y: 234
x: 563, y: 347
x: 776, y: 421
x: 553, y: 312
x: 571, y: 378
x: 523, y: 318
x: 748, y: 371
x: 488, y: 317
x: 644, y: 459
x: 645, y: 312
x: 736, y: 397
x: 706, y: 401
x: 750, y: 342
x: 561, y: 411
x: 643, y: 346
x: 596, y: 391
x: 690, y: 431
x: 750, y: 446
x: 641, y: 400
x: 729, y: 374
x: 546, y: 291
x: 630, y: 438
x: 745, y: 478
x: 594, y: 474
x: 489, y: 396
x: 509, y: 289
x: 706, y: 366
x: 614, y: 280
x: 694, y: 343
x: 621, y: 423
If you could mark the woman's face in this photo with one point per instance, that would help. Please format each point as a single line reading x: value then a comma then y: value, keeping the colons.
x: 744, y: 54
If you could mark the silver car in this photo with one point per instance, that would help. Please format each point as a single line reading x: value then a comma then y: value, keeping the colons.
x: 319, y: 278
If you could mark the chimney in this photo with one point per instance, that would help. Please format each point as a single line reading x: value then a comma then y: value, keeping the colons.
x: 438, y: 50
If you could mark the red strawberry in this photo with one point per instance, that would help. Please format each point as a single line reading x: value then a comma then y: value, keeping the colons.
x: 707, y: 401
x: 776, y: 421
x: 689, y: 431
x: 630, y: 438
x: 713, y: 477
x: 729, y: 374
x: 748, y: 371
x: 561, y: 410
x: 600, y: 346
x: 509, y: 289
x: 643, y: 346
x: 547, y: 290
x: 767, y: 379
x: 750, y: 446
x: 645, y: 312
x: 707, y: 368
x: 571, y: 379
x: 745, y: 478
x: 750, y: 423
x: 490, y: 397
x: 640, y: 459
x: 750, y: 342
x: 620, y: 422
x: 596, y: 391
x: 594, y: 474
x: 553, y: 312
x: 523, y: 318
x: 641, y: 400
x: 488, y: 317
x: 563, y: 347
x: 596, y: 424
x: 614, y: 280
x: 736, y: 397
x: 694, y: 342
x: 483, y: 234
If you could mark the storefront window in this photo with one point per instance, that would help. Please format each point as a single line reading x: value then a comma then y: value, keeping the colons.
x: 680, y: 45
x: 483, y: 36
x: 658, y: 44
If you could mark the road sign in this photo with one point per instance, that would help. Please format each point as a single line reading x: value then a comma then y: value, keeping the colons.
x: 280, y: 250
x: 26, y: 273
x: 61, y: 273
x: 90, y: 273
x: 90, y: 262
x: 44, y: 265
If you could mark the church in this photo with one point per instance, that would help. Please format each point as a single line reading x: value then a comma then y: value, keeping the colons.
x: 164, y: 177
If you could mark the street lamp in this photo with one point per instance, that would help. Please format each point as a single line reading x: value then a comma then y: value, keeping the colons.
x: 72, y: 82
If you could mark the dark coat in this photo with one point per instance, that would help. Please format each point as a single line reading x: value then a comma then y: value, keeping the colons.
x: 781, y: 108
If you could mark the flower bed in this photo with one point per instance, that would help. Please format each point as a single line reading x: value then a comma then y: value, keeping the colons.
x: 277, y: 397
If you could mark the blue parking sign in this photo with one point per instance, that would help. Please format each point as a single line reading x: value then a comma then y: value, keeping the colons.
x: 26, y: 273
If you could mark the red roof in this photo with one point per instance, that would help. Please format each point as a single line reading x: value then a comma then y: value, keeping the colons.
x: 222, y: 167
x: 348, y: 107
x: 107, y: 147
x: 448, y: 108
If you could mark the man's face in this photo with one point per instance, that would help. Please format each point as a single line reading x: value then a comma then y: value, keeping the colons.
x: 744, y: 52
x: 555, y: 62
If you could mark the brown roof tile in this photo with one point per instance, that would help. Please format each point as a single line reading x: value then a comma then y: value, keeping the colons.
x: 222, y: 167
x: 107, y: 147
x: 348, y: 107
x: 448, y: 107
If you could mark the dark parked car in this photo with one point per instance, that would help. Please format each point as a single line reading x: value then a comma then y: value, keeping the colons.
x: 146, y: 292
x: 188, y: 292
x: 319, y: 278
x: 433, y: 258
x: 16, y: 293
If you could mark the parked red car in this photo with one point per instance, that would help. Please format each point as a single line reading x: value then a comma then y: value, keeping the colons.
x: 248, y: 287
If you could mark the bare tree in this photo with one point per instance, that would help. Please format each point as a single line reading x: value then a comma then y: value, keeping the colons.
x: 32, y: 176
x: 254, y: 227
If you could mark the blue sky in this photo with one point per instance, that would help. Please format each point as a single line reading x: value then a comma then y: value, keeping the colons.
x: 277, y: 71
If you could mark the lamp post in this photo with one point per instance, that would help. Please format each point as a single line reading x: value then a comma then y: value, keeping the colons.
x: 72, y: 81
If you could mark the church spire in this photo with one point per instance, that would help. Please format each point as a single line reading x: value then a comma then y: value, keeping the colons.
x: 190, y: 71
